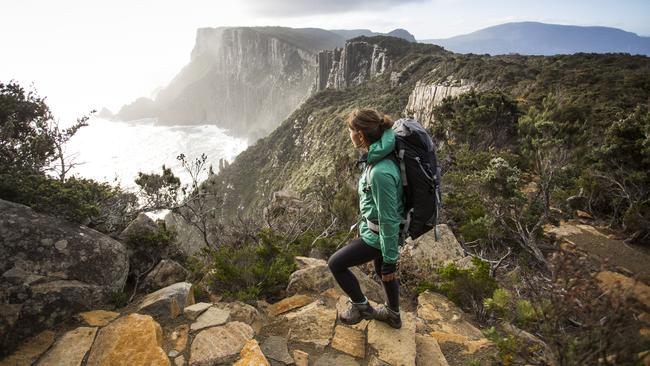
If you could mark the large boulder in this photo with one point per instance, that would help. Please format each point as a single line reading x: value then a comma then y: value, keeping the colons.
x: 141, y: 225
x: 167, y: 272
x: 52, y: 269
x: 168, y: 302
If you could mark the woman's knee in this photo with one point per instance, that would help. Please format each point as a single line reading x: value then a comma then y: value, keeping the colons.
x: 333, y: 262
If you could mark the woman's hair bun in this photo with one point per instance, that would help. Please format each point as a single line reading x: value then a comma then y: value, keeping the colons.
x: 387, y: 122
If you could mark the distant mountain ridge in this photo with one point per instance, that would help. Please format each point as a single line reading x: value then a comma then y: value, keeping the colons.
x: 534, y: 38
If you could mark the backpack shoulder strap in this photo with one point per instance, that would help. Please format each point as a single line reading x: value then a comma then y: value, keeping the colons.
x: 398, y: 158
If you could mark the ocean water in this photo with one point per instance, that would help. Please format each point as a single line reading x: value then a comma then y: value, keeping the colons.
x: 115, y: 152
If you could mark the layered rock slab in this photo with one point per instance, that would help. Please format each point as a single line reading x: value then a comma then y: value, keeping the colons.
x: 394, y: 346
x: 221, y: 344
x: 70, y: 349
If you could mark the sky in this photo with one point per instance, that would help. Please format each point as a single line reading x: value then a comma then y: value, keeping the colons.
x: 89, y: 54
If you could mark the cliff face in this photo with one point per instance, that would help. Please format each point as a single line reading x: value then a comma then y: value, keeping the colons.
x: 248, y: 79
x: 351, y: 65
x: 241, y: 79
x: 426, y: 96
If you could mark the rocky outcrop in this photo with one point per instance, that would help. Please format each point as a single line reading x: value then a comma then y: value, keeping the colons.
x: 426, y: 96
x: 617, y: 284
x: 356, y: 62
x: 52, y: 269
x: 429, y: 252
x: 448, y: 324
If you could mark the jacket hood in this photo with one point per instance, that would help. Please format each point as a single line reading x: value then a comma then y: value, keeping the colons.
x: 382, y: 147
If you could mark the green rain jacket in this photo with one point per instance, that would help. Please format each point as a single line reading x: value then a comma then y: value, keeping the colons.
x: 384, y: 201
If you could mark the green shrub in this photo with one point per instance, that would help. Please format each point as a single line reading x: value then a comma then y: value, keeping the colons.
x: 254, y: 270
x: 468, y: 287
x: 506, y: 306
x: 425, y: 285
x: 151, y: 240
x: 79, y: 200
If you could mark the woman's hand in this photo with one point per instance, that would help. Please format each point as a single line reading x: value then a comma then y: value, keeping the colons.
x: 388, y: 271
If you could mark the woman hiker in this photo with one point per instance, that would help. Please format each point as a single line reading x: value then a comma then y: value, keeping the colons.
x: 380, y: 202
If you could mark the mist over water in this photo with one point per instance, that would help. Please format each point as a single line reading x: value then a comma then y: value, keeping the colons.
x: 110, y: 149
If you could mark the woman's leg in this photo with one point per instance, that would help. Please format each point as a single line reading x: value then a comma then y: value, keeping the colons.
x: 391, y: 288
x: 356, y: 252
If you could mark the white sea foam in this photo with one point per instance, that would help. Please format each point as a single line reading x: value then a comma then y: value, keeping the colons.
x: 110, y: 149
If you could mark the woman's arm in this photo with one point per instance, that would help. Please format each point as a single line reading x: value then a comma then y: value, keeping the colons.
x: 384, y: 192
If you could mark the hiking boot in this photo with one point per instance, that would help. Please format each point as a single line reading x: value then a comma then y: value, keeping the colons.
x: 385, y: 314
x: 356, y: 312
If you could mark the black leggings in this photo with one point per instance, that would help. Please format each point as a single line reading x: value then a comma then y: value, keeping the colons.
x: 357, y: 252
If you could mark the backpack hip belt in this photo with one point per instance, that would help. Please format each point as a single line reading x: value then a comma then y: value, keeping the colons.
x: 404, y: 226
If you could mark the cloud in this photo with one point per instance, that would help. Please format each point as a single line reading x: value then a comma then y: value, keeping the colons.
x: 287, y: 8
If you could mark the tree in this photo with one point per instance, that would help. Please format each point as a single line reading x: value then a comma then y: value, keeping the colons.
x: 196, y: 205
x: 31, y: 140
x: 623, y: 170
x: 25, y: 141
x: 60, y: 137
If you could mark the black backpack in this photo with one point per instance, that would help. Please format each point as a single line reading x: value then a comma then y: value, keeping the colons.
x: 416, y: 156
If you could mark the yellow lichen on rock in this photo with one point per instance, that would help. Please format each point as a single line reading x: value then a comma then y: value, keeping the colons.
x: 131, y: 340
